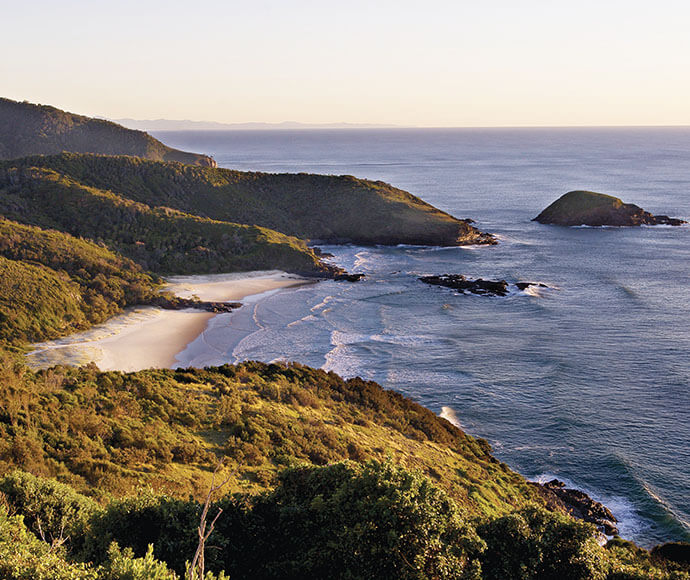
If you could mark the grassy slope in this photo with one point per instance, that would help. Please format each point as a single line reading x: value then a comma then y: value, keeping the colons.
x: 308, y: 206
x: 28, y: 129
x: 110, y: 432
x: 52, y: 284
x: 160, y: 239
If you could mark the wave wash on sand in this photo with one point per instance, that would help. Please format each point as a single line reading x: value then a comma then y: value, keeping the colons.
x: 150, y: 337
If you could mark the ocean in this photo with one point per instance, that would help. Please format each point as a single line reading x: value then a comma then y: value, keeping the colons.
x: 586, y: 381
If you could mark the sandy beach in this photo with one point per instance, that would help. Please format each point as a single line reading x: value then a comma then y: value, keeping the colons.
x: 149, y: 337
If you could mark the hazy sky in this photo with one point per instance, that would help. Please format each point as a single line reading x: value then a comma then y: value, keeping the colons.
x: 431, y: 63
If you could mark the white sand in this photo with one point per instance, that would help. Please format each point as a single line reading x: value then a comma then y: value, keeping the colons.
x: 152, y: 337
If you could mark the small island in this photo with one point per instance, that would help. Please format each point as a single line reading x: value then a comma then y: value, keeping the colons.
x: 588, y: 208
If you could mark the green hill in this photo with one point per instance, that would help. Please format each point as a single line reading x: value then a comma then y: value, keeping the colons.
x: 29, y: 129
x: 161, y: 239
x: 112, y: 432
x: 52, y: 284
x: 452, y: 511
x: 315, y: 207
x: 598, y: 209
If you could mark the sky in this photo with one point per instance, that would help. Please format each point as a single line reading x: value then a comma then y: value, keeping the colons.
x: 433, y: 63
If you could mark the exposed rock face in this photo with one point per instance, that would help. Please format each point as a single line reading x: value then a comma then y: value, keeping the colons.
x: 597, y: 209
x: 579, y: 505
x: 207, y: 161
x: 479, y: 286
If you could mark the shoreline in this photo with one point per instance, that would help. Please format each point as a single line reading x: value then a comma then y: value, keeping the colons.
x: 151, y: 337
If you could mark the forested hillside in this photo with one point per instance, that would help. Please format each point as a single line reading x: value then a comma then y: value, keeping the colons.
x: 29, y: 129
x: 52, y: 284
x: 316, y: 207
x: 416, y: 498
x: 161, y: 239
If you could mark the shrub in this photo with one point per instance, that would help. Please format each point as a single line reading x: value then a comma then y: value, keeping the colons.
x: 52, y: 510
x: 351, y: 521
x: 24, y: 557
x: 534, y: 544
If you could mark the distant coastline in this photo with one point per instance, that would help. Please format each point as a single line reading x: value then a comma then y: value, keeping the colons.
x: 187, y: 125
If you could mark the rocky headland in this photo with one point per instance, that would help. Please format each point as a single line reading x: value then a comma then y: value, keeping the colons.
x: 589, y: 208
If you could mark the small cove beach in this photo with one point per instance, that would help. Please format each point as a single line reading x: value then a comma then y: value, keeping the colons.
x: 151, y: 337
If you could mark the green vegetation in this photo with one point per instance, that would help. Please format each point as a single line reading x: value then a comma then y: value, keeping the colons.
x: 153, y: 438
x: 28, y: 129
x: 52, y: 284
x: 317, y: 207
x: 113, y: 432
x: 160, y: 239
x: 579, y: 204
x: 345, y: 520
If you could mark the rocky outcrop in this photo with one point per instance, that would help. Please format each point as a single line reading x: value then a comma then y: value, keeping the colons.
x: 480, y: 286
x: 345, y: 277
x: 578, y: 504
x: 170, y: 302
x: 588, y: 208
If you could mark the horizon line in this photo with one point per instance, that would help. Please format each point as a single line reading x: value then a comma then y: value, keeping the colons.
x: 345, y: 126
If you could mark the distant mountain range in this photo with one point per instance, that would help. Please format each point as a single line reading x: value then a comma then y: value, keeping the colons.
x: 185, y: 125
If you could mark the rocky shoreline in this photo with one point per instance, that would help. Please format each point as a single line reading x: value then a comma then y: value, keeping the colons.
x: 578, y: 504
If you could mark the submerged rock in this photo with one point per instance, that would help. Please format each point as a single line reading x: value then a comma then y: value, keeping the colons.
x: 478, y: 286
x: 588, y: 208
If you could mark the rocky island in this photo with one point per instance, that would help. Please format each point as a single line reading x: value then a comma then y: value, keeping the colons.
x: 589, y: 208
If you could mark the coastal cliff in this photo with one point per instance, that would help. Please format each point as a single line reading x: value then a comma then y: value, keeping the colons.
x: 30, y: 129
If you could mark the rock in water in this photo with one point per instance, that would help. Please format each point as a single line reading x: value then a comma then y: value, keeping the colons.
x: 480, y: 286
x: 459, y: 282
x: 348, y: 277
x: 588, y: 208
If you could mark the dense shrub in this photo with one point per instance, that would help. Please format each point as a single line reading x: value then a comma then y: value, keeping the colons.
x: 350, y: 521
x: 137, y: 522
x: 24, y: 557
x: 534, y: 544
x: 52, y: 510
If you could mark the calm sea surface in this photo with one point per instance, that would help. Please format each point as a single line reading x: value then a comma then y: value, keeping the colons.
x: 588, y: 381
